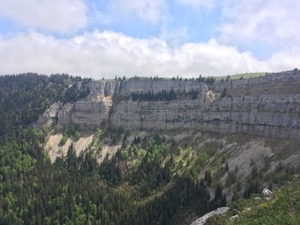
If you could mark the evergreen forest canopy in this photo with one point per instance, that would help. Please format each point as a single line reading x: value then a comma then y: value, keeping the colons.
x: 143, y: 183
x: 24, y: 97
x: 77, y: 190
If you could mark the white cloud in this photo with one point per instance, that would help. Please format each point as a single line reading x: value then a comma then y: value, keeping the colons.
x: 106, y: 54
x: 152, y: 11
x: 285, y: 60
x: 274, y: 23
x: 212, y: 58
x: 174, y: 36
x: 61, y: 16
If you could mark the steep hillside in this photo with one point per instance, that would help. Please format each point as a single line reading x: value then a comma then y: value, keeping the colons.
x: 151, y: 163
x: 142, y: 151
x: 279, y: 207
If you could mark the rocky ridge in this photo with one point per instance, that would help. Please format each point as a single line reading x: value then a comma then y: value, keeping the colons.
x: 267, y: 106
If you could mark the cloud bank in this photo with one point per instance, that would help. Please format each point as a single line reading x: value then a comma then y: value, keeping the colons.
x: 106, y: 54
x: 59, y: 16
x: 62, y: 36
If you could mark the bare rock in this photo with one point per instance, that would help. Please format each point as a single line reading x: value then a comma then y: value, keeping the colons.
x: 267, y: 106
x: 204, y: 218
x: 233, y: 217
x: 266, y: 192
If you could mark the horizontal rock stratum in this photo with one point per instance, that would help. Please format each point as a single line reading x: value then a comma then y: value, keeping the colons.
x: 267, y: 106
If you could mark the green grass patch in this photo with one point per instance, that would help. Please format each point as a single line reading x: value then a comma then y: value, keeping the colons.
x: 283, y: 207
x: 243, y: 75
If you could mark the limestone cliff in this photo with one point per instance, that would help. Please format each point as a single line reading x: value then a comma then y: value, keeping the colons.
x: 87, y: 113
x: 266, y: 106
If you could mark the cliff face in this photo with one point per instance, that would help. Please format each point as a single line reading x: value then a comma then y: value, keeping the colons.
x: 94, y: 110
x: 86, y: 113
x: 266, y: 106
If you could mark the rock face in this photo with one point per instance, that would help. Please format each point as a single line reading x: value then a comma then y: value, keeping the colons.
x: 49, y: 117
x: 203, y: 219
x: 94, y: 110
x: 265, y: 106
x: 91, y: 111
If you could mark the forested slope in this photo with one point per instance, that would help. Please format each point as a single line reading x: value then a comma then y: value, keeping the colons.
x: 159, y: 177
x: 24, y: 97
x: 77, y: 190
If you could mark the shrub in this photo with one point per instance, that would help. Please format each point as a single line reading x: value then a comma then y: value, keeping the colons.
x: 63, y: 140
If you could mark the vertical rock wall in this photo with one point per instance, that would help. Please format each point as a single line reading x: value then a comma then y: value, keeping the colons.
x: 265, y: 106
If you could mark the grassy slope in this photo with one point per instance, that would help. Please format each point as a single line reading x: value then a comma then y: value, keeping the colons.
x: 244, y: 75
x: 282, y: 208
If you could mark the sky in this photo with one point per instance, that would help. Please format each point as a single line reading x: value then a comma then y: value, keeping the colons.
x: 165, y: 38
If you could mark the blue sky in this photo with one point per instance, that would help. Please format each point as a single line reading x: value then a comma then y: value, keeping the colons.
x: 104, y: 38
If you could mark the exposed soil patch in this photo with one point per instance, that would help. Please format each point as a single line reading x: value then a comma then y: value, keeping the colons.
x: 55, y: 150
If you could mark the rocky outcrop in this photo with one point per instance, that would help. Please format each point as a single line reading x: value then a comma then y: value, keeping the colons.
x: 86, y: 113
x: 265, y: 106
x: 94, y: 109
x: 49, y: 117
x: 203, y: 219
